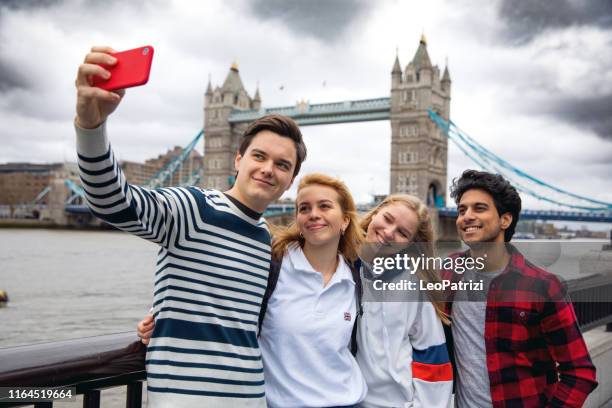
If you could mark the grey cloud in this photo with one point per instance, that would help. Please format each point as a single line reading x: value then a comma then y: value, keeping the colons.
x: 322, y: 19
x: 525, y: 19
x: 10, y: 78
x: 26, y: 4
x: 594, y: 113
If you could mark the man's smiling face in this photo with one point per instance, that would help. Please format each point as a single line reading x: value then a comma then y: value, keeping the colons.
x: 265, y: 171
x: 478, y: 219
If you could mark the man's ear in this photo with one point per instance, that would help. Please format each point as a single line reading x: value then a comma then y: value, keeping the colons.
x: 237, y: 161
x: 506, y: 220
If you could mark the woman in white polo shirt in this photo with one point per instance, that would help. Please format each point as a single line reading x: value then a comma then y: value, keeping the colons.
x: 311, y: 313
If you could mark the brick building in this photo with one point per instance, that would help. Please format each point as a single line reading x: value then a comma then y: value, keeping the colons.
x: 21, y: 183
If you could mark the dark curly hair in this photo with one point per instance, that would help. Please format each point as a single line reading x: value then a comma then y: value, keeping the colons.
x: 505, y: 196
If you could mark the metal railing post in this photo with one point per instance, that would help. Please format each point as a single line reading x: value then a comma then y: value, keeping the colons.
x: 134, y: 395
x: 91, y: 399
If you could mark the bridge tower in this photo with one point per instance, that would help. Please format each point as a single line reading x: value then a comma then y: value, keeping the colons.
x: 418, y: 149
x: 222, y: 138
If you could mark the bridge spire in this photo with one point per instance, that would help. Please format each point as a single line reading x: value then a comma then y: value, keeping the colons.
x: 233, y: 83
x: 421, y: 57
x: 209, y: 90
x: 396, y: 73
x: 256, y: 104
x: 396, y: 65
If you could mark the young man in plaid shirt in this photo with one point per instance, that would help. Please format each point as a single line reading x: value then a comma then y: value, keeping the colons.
x: 520, y: 346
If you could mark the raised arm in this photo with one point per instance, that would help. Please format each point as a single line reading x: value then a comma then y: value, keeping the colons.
x: 146, y: 213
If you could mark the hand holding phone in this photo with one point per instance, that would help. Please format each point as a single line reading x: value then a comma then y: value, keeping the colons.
x: 101, y: 80
x: 131, y: 69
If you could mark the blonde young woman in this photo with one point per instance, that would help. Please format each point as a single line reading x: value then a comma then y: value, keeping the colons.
x: 401, y: 345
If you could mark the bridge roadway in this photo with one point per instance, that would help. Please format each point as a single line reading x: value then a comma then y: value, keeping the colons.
x: 323, y: 113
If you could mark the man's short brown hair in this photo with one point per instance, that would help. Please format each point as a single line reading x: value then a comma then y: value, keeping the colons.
x: 282, y: 126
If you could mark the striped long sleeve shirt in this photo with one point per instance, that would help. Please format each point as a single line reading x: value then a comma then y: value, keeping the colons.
x: 210, y: 278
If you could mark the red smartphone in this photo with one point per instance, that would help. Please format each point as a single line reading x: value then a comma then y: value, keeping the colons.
x: 132, y: 69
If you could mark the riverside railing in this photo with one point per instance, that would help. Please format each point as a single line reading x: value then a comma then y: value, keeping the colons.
x: 89, y: 364
x: 592, y: 301
x: 95, y: 363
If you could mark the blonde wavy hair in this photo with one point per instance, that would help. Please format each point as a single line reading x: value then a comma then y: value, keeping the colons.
x: 422, y: 242
x: 353, y: 236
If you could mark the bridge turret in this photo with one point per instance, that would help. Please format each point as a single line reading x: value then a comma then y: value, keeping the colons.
x: 396, y: 73
x: 396, y: 82
x: 446, y: 81
x: 445, y: 86
x: 422, y: 63
x: 208, y: 94
x: 222, y: 138
x: 256, y: 105
x: 418, y: 151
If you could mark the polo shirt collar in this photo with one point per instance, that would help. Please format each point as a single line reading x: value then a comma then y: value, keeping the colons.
x: 300, y: 262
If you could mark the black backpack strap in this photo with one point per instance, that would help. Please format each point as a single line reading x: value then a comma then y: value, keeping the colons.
x: 355, y: 271
x: 275, y: 266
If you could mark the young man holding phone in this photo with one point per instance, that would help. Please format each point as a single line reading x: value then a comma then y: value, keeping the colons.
x: 213, y: 263
x: 516, y: 343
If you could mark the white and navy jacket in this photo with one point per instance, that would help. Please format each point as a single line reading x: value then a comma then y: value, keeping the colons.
x: 402, y: 353
x: 210, y: 278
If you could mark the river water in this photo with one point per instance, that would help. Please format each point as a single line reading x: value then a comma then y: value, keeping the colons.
x: 69, y: 284
x: 66, y: 284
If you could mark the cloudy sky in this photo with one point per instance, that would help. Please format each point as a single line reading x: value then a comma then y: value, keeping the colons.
x: 532, y: 80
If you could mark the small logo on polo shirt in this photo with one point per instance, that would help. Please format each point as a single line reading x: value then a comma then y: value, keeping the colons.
x: 347, y: 316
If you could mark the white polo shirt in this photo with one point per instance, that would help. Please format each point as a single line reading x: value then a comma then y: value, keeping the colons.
x: 305, y: 338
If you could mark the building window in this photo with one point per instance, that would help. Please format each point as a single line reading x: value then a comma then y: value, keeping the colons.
x: 215, y: 142
x: 408, y: 95
x: 215, y: 182
x: 408, y: 157
x: 407, y: 185
x: 408, y: 131
x: 214, y: 164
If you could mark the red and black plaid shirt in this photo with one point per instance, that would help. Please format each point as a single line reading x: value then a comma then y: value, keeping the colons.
x: 536, y: 355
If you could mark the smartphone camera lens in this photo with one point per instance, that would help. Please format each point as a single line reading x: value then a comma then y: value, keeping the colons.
x: 145, y: 50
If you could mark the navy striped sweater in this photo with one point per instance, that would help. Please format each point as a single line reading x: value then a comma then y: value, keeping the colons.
x: 210, y: 278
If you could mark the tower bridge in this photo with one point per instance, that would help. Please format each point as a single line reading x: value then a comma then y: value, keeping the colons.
x: 418, y: 148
